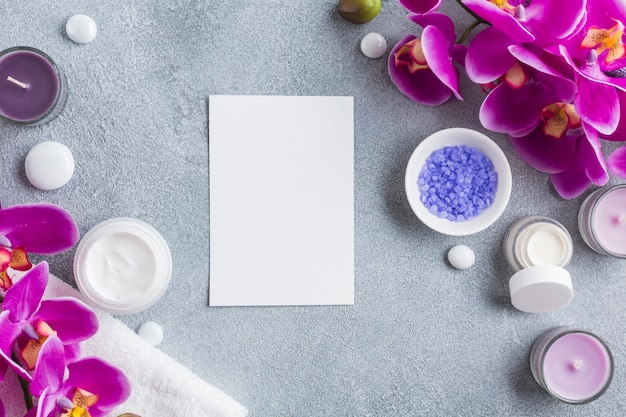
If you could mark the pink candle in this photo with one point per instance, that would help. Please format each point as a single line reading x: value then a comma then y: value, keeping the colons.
x: 574, y: 366
x: 602, y: 221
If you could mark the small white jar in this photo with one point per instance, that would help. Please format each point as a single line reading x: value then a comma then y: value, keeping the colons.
x: 538, y: 249
x: 122, y: 266
x: 537, y: 240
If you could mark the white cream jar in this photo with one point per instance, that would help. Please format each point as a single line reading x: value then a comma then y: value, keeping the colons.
x: 122, y: 266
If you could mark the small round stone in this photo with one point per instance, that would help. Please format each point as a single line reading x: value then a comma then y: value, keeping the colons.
x: 81, y: 28
x: 461, y: 257
x: 373, y: 45
x: 151, y: 332
x: 49, y: 165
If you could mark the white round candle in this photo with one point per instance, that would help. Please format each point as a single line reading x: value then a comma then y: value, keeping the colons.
x: 602, y: 221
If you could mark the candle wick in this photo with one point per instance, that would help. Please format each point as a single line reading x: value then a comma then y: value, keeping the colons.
x: 17, y: 82
x: 577, y: 364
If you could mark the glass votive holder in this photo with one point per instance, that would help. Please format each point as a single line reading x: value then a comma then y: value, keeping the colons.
x: 33, y: 90
x: 602, y: 221
x: 574, y: 366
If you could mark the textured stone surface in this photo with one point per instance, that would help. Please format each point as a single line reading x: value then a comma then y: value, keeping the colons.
x: 422, y: 338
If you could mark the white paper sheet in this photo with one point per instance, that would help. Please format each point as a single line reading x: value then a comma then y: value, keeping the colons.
x: 281, y: 200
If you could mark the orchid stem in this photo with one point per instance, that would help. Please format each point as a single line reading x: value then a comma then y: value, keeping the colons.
x: 28, y: 398
x: 469, y: 30
x: 468, y: 10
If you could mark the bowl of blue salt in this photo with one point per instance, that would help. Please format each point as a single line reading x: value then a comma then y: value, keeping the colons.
x: 458, y: 181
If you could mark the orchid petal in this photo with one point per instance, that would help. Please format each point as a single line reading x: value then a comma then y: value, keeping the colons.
x: 572, y: 182
x: 505, y: 22
x: 9, y: 331
x: 50, y: 367
x: 488, y: 57
x: 511, y: 111
x: 43, y: 228
x: 553, y: 20
x: 5, y: 258
x: 590, y: 152
x: 2, y: 411
x: 422, y: 86
x: 616, y: 162
x: 70, y: 318
x: 100, y: 378
x: 23, y: 298
x: 620, y: 132
x: 458, y: 53
x: 439, y: 60
x: 441, y: 22
x: 598, y: 105
x: 421, y: 6
x: 545, y: 153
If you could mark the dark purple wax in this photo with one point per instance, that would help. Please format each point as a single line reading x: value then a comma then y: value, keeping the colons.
x: 40, y: 95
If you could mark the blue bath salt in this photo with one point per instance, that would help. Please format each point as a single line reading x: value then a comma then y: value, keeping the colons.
x: 457, y: 183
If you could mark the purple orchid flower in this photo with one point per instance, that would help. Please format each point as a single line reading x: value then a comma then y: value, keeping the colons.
x: 93, y: 387
x: 597, y: 52
x: 422, y: 68
x: 543, y: 22
x: 30, y: 322
x: 42, y: 228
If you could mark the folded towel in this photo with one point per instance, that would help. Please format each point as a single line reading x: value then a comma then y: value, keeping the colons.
x: 160, y: 386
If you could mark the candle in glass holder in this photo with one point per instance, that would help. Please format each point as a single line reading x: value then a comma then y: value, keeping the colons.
x: 572, y: 365
x: 602, y: 221
x: 32, y: 89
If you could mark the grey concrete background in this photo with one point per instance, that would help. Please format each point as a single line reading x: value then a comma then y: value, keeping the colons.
x: 422, y: 337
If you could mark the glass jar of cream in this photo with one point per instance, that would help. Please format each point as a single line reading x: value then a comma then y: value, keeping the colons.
x: 538, y: 249
x: 537, y: 240
x: 122, y: 266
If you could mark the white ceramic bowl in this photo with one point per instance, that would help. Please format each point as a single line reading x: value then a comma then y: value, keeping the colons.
x: 456, y: 137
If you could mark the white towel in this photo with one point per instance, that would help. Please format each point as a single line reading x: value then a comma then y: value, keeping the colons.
x: 161, y: 387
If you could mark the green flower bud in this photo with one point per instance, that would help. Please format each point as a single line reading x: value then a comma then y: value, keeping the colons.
x: 358, y: 11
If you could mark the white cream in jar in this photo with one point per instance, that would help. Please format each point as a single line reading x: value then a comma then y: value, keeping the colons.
x: 122, y: 266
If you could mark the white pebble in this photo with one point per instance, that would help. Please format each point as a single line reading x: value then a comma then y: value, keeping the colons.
x: 151, y: 332
x: 81, y: 28
x: 461, y: 257
x: 373, y: 45
x: 49, y: 165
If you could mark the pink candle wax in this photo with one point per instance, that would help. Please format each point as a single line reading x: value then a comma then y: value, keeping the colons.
x: 572, y: 365
x: 32, y: 90
x: 602, y: 221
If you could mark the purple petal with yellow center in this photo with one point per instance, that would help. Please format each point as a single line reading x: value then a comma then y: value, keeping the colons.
x: 422, y: 86
x: 545, y: 153
x: 513, y: 111
x: 23, y: 298
x: 500, y: 19
x: 42, y: 228
x: 99, y: 378
x: 421, y: 6
x: 50, y: 367
x: 441, y: 22
x: 438, y: 59
x: 71, y: 319
x: 616, y: 162
x: 592, y: 72
x: 598, y: 105
x: 488, y: 57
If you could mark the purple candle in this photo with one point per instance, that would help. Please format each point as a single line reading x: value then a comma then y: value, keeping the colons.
x: 574, y: 366
x: 32, y: 89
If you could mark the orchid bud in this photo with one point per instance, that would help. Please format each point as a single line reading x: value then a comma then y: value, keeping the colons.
x: 359, y: 11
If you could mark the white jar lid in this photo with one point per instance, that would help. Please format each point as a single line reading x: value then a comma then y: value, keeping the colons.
x: 541, y: 289
x: 122, y: 266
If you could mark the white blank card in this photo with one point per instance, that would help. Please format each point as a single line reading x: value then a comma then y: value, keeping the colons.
x: 281, y: 200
